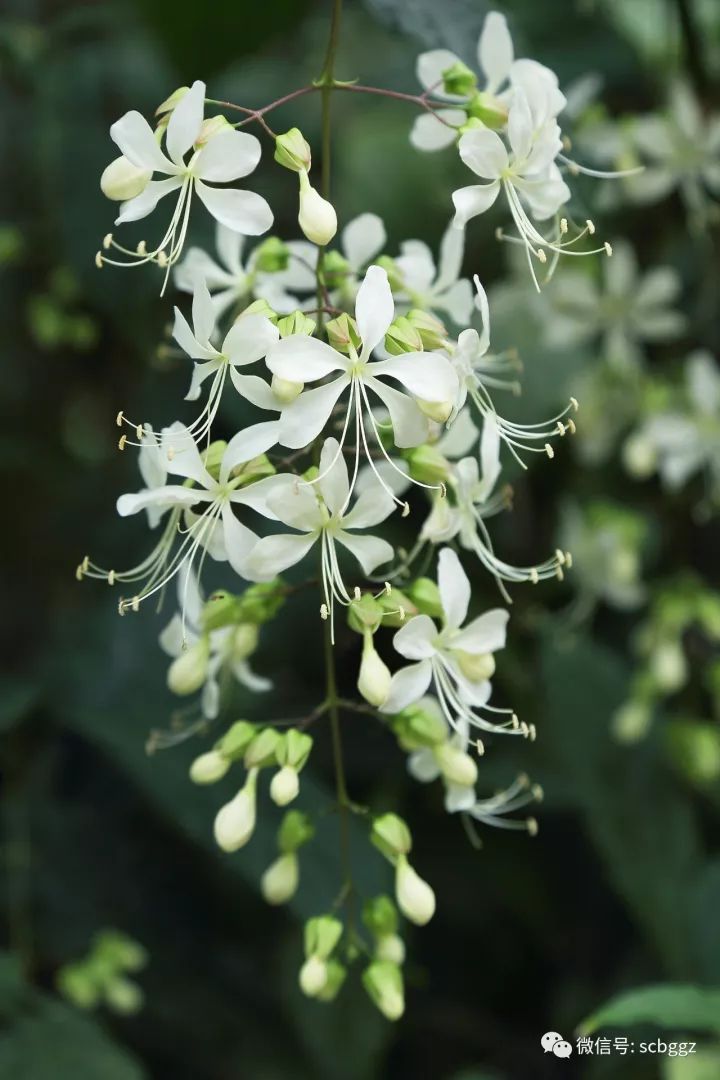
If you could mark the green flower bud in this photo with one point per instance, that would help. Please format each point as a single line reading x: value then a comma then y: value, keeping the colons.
x: 316, y: 217
x: 295, y: 830
x: 235, y: 822
x: 380, y: 916
x: 428, y: 465
x: 668, y: 666
x: 211, y: 126
x: 292, y: 151
x: 209, y: 767
x: 221, y: 609
x: 313, y: 976
x: 364, y: 614
x: 294, y: 748
x: 170, y: 102
x: 121, y: 951
x: 285, y: 785
x: 384, y: 984
x: 251, y: 471
x: 425, y: 594
x: 416, y: 727
x: 213, y: 456
x: 335, y: 269
x: 322, y: 933
x: 391, y: 268
x: 280, y: 881
x: 458, y: 79
x: 334, y: 978
x: 258, y: 307
x: 488, y: 110
x: 391, y: 836
x: 122, y: 180
x: 695, y: 748
x: 342, y: 333
x: 396, y: 607
x: 433, y: 333
x: 631, y: 721
x: 477, y: 667
x: 374, y: 676
x: 456, y: 766
x: 390, y: 948
x: 262, y: 601
x: 414, y: 896
x: 76, y: 983
x: 439, y: 411
x: 236, y: 740
x: 271, y: 256
x: 188, y: 671
x: 639, y: 456
x: 261, y: 751
x: 296, y: 323
x: 243, y: 641
x: 285, y: 390
x: 123, y: 996
x: 402, y: 337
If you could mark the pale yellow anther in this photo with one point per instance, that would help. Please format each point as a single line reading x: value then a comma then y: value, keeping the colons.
x: 533, y: 732
x: 524, y: 729
x: 571, y: 427
x: 356, y: 592
x: 170, y: 453
x: 99, y: 260
x: 79, y: 572
x: 135, y: 603
x: 560, y: 556
x: 563, y: 226
x: 573, y: 168
x: 111, y: 577
x: 139, y: 432
x: 575, y: 404
x: 85, y: 564
x: 608, y: 248
x: 567, y: 142
x: 559, y: 574
x: 542, y: 257
x: 121, y: 442
x: 549, y: 450
x: 514, y: 722
x: 499, y: 233
x: 141, y: 249
x: 162, y: 259
x: 532, y: 826
x: 443, y: 491
x: 405, y: 510
x: 480, y: 747
x: 560, y: 429
x: 568, y: 559
x: 388, y: 587
x: 324, y: 611
x: 537, y: 792
x: 534, y: 576
x: 119, y: 418
x: 121, y: 607
x: 107, y: 240
x: 590, y: 226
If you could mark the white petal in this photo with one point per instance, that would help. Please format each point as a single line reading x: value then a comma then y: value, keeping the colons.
x: 244, y: 211
x: 460, y: 436
x: 407, y: 686
x: 485, y: 634
x: 188, y: 342
x: 495, y: 50
x: 244, y: 674
x: 173, y: 637
x: 452, y: 248
x: 268, y: 495
x: 200, y: 373
x: 246, y: 445
x: 249, y: 339
x: 190, y: 597
x: 374, y: 308
x: 430, y: 67
x: 417, y: 266
x: 165, y: 496
x: 255, y: 390
x: 135, y: 138
x: 203, y: 313
x: 230, y: 246
x: 520, y: 126
x: 150, y: 462
x: 239, y: 540
x: 334, y: 485
x: 659, y: 286
x: 185, y: 123
x: 362, y: 239
x: 182, y: 456
x: 473, y: 200
x: 292, y: 501
x: 458, y: 299
x: 410, y: 426
x: 229, y: 155
x: 429, y: 133
x: 302, y: 422
x: 416, y: 640
x: 489, y: 456
x: 300, y: 358
x: 423, y: 766
x: 427, y: 375
x: 145, y: 203
x: 274, y: 554
x: 199, y: 266
x: 484, y: 152
x: 370, y: 551
x: 454, y: 588
x: 458, y: 798
x: 371, y: 507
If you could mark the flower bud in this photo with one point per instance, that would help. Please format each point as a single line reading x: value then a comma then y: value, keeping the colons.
x: 364, y: 613
x: 170, y: 102
x: 439, y: 411
x: 393, y: 271
x: 249, y: 472
x: 390, y: 947
x: 374, y: 678
x: 456, y: 766
x: 284, y: 390
x: 416, y: 727
x: 402, y: 337
x: 258, y: 307
x: 322, y: 934
x: 220, y: 610
x: 477, y: 667
x: 284, y: 786
x: 428, y: 465
x: 243, y: 642
x: 208, y: 768
x: 295, y: 830
x: 631, y: 721
x: 639, y: 456
x: 380, y: 916
x: 271, y: 256
x: 317, y: 217
x: 236, y: 740
x: 396, y: 608
x: 668, y: 666
x: 425, y: 594
x: 211, y: 126
x: 433, y: 333
x: 336, y: 974
x: 335, y: 269
x: 294, y: 748
x: 292, y: 151
x: 262, y: 749
x: 391, y: 836
x: 488, y: 110
x: 188, y: 671
x: 313, y: 976
x: 123, y: 995
x: 414, y: 896
x: 122, y: 180
x: 296, y: 323
x: 213, y: 455
x: 342, y: 333
x: 384, y: 984
x: 235, y: 822
x: 459, y: 79
x: 280, y: 881
x: 262, y: 601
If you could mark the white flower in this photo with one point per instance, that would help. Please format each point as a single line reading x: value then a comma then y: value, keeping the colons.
x: 232, y: 282
x: 215, y: 529
x: 317, y: 217
x: 320, y: 512
x: 425, y: 376
x: 280, y: 881
x: 226, y: 156
x: 440, y: 289
x: 235, y: 822
x: 285, y: 785
x: 441, y: 655
x: 184, y: 632
x: 415, y: 898
x: 628, y: 308
x: 249, y: 339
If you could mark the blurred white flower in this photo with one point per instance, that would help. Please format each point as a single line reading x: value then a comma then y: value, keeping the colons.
x: 436, y: 289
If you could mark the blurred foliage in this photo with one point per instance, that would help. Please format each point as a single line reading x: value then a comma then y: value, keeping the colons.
x: 622, y: 887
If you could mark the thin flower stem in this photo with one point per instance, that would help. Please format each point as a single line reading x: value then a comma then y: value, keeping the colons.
x: 414, y: 99
x: 344, y: 803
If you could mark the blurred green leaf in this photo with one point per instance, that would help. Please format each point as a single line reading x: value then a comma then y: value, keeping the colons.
x: 690, y: 1008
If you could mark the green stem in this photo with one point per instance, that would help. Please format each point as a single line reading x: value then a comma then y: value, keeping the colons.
x: 345, y: 806
x: 325, y: 83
